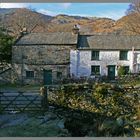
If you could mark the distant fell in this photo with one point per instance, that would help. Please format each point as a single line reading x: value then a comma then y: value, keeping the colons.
x: 14, y: 19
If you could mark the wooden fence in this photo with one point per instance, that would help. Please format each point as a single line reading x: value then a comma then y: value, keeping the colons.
x: 21, y: 101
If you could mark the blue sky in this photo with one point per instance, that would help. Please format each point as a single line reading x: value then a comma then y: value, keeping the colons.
x: 109, y: 10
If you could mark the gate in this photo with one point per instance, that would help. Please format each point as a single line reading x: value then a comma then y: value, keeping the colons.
x: 20, y: 101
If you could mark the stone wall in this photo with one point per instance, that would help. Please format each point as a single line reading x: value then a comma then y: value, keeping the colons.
x: 39, y: 58
x: 41, y: 54
x: 38, y: 73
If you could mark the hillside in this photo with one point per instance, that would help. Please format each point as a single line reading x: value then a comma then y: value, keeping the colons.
x: 16, y: 19
x: 130, y: 24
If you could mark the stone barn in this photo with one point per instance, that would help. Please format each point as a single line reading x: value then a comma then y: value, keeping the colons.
x: 42, y: 58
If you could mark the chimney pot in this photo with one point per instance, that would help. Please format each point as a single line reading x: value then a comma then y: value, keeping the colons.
x: 75, y: 29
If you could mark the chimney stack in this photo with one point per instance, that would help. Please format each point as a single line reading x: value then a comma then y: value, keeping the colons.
x: 75, y: 29
x: 23, y: 31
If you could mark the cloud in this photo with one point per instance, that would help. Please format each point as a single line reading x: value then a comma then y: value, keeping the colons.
x: 112, y: 14
x: 47, y: 12
x: 13, y: 5
x: 65, y: 5
x: 80, y: 15
x: 51, y: 13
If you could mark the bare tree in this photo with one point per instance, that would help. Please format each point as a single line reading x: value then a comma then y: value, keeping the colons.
x: 133, y: 18
x: 134, y: 7
x: 22, y: 19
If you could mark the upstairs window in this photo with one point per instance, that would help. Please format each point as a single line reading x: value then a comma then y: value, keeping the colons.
x: 29, y: 74
x: 95, y: 55
x: 123, y: 55
x: 95, y: 70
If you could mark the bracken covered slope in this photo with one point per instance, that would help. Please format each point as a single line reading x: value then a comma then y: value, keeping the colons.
x: 16, y: 19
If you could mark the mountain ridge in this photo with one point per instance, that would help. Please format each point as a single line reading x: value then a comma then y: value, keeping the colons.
x: 16, y: 18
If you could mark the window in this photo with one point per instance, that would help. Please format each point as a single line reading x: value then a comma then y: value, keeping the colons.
x: 123, y: 55
x: 95, y: 55
x: 59, y: 75
x: 29, y: 74
x: 95, y: 70
x: 126, y: 69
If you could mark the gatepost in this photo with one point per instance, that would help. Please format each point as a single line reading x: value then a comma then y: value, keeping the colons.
x: 44, y: 99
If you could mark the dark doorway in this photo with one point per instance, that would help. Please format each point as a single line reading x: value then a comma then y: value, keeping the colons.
x: 111, y: 72
x: 47, y: 77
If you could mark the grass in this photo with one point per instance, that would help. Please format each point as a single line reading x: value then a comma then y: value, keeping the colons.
x: 19, y: 87
x: 30, y: 130
x: 33, y: 128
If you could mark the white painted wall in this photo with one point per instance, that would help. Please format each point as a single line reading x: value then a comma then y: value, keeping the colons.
x: 81, y: 61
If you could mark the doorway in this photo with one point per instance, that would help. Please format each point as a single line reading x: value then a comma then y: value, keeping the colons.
x: 111, y: 72
x: 47, y: 77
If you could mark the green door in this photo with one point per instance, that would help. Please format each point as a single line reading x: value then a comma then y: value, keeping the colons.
x: 47, y: 77
x: 111, y: 72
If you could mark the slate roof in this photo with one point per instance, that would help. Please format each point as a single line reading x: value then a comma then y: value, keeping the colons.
x: 109, y: 42
x: 95, y: 41
x: 59, y: 38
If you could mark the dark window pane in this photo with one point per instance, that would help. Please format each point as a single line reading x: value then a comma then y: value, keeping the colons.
x: 123, y: 55
x: 95, y: 55
x: 95, y: 70
x: 59, y: 75
x: 126, y: 69
x: 29, y: 74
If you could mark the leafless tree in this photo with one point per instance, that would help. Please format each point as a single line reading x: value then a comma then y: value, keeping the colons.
x: 22, y: 19
x: 133, y: 18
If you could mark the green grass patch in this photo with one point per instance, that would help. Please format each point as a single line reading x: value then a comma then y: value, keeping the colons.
x: 31, y: 130
x: 19, y: 87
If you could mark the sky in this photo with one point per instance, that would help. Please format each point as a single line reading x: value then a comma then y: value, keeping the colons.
x: 108, y: 10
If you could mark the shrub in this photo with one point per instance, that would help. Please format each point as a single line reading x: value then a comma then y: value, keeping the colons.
x: 101, y: 89
x: 104, y: 102
x: 104, y: 99
x: 121, y: 71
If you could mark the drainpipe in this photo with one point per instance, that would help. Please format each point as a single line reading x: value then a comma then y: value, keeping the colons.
x: 132, y: 59
x: 78, y: 63
x: 22, y: 69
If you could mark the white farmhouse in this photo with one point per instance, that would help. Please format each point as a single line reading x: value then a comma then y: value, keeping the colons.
x: 102, y: 54
x: 51, y: 57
